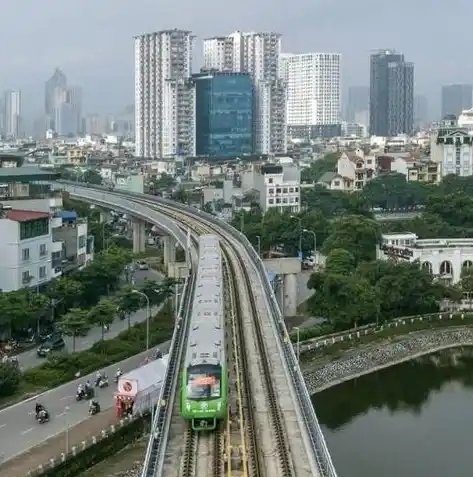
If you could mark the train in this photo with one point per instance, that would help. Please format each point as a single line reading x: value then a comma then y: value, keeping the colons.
x: 204, y: 376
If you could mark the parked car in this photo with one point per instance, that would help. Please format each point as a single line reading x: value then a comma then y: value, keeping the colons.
x: 55, y: 343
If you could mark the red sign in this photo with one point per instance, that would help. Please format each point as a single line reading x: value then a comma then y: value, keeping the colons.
x: 205, y: 380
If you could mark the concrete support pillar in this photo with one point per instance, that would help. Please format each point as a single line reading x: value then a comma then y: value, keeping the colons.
x: 290, y: 294
x: 139, y: 236
x: 169, y: 246
x: 103, y: 217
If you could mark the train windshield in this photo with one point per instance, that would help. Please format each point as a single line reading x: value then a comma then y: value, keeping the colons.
x: 204, y: 382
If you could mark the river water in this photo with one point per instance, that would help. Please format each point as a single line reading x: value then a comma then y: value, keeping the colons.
x: 411, y: 420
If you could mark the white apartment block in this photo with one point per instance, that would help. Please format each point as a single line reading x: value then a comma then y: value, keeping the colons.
x: 452, y: 148
x: 256, y: 54
x: 313, y: 88
x: 164, y: 96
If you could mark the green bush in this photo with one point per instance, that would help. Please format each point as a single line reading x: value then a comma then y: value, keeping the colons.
x: 61, y: 368
x: 10, y: 378
x: 91, y: 456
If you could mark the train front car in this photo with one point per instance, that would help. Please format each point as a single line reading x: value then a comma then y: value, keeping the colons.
x: 204, y: 377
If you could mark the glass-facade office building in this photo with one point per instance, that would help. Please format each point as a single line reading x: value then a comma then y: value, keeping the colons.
x: 224, y: 114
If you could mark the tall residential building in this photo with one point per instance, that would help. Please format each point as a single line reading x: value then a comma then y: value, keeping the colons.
x: 358, y: 103
x: 258, y: 55
x: 224, y: 114
x: 67, y: 117
x: 164, y: 94
x: 391, y: 94
x: 313, y: 93
x: 12, y: 113
x: 456, y: 98
x: 57, y: 80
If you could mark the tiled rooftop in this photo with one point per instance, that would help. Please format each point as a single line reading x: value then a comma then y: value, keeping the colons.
x: 19, y: 215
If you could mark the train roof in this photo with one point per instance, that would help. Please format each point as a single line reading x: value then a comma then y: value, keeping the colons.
x: 206, y: 336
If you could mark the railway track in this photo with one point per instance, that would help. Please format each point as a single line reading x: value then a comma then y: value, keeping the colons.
x: 275, y: 435
x: 249, y: 419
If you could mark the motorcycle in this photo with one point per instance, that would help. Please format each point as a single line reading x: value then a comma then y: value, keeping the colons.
x: 101, y: 382
x: 84, y: 394
x: 94, y: 409
x: 42, y: 417
x: 117, y: 377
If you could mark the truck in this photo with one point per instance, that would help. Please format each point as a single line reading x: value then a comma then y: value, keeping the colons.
x: 138, y: 391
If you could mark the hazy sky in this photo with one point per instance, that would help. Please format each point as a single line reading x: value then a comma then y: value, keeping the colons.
x: 92, y: 39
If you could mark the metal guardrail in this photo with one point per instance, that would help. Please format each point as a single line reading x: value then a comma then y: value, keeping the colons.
x: 319, y: 446
x: 159, y: 431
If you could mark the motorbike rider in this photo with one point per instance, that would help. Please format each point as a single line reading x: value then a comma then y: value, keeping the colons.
x: 38, y: 408
x: 87, y: 387
x: 80, y: 389
x: 93, y: 405
x: 118, y: 374
x: 98, y: 378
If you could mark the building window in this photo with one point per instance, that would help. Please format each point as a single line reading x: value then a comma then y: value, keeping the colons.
x: 270, y: 180
x: 25, y: 254
x: 271, y: 201
x: 82, y: 241
x: 42, y: 250
x: 34, y: 228
x: 42, y: 272
x: 25, y: 278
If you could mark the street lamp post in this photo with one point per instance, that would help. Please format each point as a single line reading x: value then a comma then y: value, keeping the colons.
x: 148, y: 313
x: 258, y: 238
x: 66, y: 430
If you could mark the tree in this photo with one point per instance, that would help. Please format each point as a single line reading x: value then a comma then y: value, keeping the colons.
x: 356, y: 234
x: 92, y: 177
x: 102, y: 314
x: 75, y: 323
x: 10, y: 377
x: 128, y: 303
x: 68, y: 291
x: 318, y: 168
x: 345, y: 301
x: 340, y: 262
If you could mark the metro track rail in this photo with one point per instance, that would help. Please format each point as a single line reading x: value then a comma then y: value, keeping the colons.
x: 300, y: 423
x: 244, y: 424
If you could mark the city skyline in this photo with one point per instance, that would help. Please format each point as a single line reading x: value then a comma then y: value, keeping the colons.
x: 102, y: 57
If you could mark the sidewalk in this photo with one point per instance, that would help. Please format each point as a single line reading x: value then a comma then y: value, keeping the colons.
x: 29, y: 359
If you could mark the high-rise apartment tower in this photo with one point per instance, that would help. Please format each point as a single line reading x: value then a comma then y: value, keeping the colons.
x: 164, y: 94
x: 12, y: 113
x: 456, y: 98
x: 391, y: 94
x: 258, y: 55
x: 313, y: 92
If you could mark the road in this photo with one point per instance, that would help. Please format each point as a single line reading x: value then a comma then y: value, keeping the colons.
x: 29, y: 359
x: 19, y: 430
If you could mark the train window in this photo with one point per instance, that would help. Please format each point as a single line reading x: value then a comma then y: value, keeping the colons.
x: 204, y: 382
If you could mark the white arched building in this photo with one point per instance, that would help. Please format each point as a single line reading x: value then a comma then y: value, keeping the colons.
x: 444, y: 258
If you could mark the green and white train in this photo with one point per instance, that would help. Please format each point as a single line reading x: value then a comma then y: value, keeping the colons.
x: 204, y: 389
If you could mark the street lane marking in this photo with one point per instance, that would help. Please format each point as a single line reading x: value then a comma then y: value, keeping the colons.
x: 2, y: 425
x: 26, y: 432
x: 32, y: 413
x: 60, y: 414
x: 65, y: 398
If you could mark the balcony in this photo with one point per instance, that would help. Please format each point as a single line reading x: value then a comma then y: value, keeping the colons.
x: 57, y: 246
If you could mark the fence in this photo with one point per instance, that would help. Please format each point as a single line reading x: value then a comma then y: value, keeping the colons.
x: 84, y: 445
x: 356, y: 334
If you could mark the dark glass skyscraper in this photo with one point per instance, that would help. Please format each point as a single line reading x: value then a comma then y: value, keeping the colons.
x: 224, y: 114
x: 391, y: 94
x: 456, y: 98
